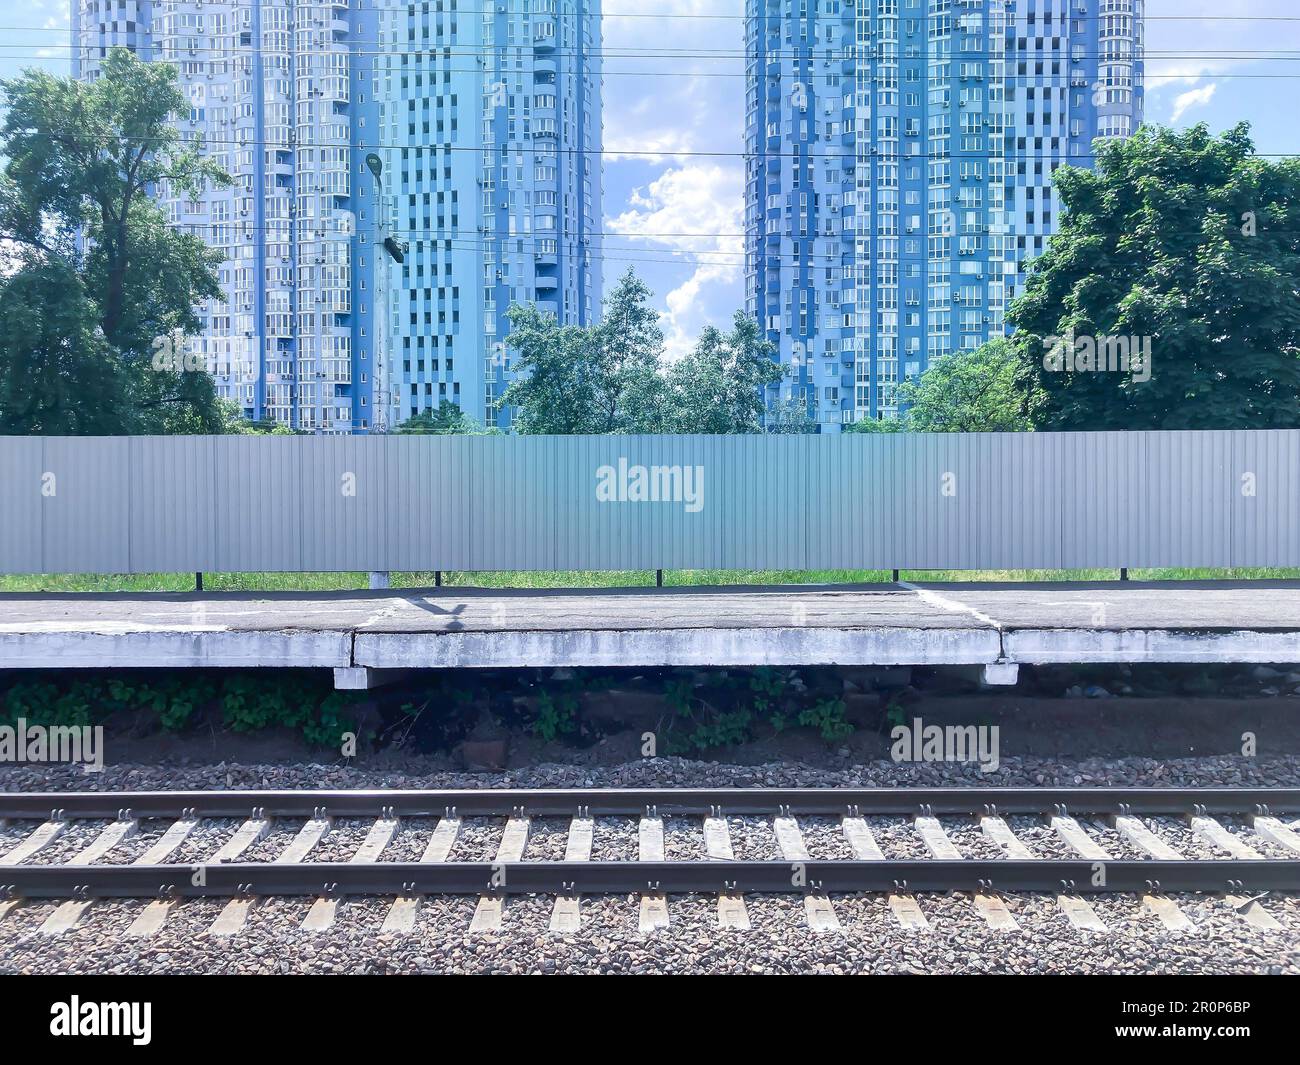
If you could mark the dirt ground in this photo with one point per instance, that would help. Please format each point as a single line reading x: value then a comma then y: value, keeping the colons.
x: 1048, y: 727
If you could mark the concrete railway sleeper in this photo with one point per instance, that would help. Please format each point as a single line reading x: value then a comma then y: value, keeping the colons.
x: 1244, y: 852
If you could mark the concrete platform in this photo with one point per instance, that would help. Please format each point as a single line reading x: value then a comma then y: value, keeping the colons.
x: 368, y: 636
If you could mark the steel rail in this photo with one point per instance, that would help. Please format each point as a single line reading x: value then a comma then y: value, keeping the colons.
x: 612, y: 802
x: 569, y: 878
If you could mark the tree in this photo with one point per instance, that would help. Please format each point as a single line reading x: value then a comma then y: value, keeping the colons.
x: 875, y: 425
x: 1189, y: 243
x: 627, y: 352
x: 76, y: 207
x: 598, y: 379
x: 612, y: 377
x: 235, y: 424
x: 555, y: 388
x: 447, y: 420
x: 57, y: 374
x: 718, y: 387
x: 789, y: 418
x: 967, y: 392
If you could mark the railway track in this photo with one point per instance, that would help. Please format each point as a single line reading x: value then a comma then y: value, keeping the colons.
x: 1251, y: 833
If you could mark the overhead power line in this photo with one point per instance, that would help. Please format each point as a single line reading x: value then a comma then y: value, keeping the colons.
x: 1034, y: 79
x: 440, y: 9
x: 506, y: 151
x: 812, y: 54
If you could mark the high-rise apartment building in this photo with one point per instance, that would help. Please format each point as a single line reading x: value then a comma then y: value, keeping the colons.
x: 280, y: 94
x: 467, y: 132
x: 899, y: 173
x: 491, y: 121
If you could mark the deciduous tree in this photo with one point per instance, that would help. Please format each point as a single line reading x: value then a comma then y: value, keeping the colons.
x: 447, y: 420
x: 967, y: 392
x: 77, y: 208
x: 718, y: 387
x: 1193, y: 241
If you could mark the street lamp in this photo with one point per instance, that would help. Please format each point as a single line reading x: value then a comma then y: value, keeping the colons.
x: 396, y: 251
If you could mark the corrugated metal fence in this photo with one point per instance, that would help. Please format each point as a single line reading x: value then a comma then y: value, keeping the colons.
x: 996, y: 501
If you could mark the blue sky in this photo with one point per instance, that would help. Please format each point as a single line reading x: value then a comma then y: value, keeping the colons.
x: 677, y: 217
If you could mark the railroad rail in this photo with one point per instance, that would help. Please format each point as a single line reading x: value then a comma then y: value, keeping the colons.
x: 1260, y: 854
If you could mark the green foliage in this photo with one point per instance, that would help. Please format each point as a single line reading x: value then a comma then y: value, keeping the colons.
x: 789, y: 417
x: 250, y: 702
x: 555, y: 390
x: 88, y: 700
x: 977, y: 391
x: 719, y: 729
x: 56, y: 371
x: 769, y: 682
x: 334, y: 716
x: 46, y: 703
x: 766, y: 696
x: 97, y: 273
x: 827, y: 717
x: 173, y: 699
x: 967, y: 392
x: 874, y: 425
x: 612, y: 378
x: 555, y: 717
x: 680, y: 695
x: 234, y: 423
x: 447, y: 420
x: 699, y: 726
x: 1193, y: 241
x: 768, y: 687
x: 627, y: 350
x: 595, y: 379
x: 718, y: 387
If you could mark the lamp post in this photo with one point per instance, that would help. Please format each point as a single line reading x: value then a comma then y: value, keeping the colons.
x: 393, y: 250
x: 380, y: 371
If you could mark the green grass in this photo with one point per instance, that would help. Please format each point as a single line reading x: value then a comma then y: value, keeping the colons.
x: 329, y: 582
x: 180, y: 582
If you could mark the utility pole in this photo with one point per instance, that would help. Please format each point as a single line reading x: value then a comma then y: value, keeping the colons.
x: 390, y: 249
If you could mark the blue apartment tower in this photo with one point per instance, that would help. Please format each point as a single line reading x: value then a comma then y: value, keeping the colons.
x: 899, y: 161
x: 467, y: 133
x: 491, y: 123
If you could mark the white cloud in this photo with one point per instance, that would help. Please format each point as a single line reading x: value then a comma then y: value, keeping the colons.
x: 1192, y: 98
x: 1183, y: 37
x: 695, y: 211
x: 674, y: 90
x: 659, y: 119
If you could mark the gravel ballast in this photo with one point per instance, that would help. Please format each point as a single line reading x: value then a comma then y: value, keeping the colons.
x: 779, y: 941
